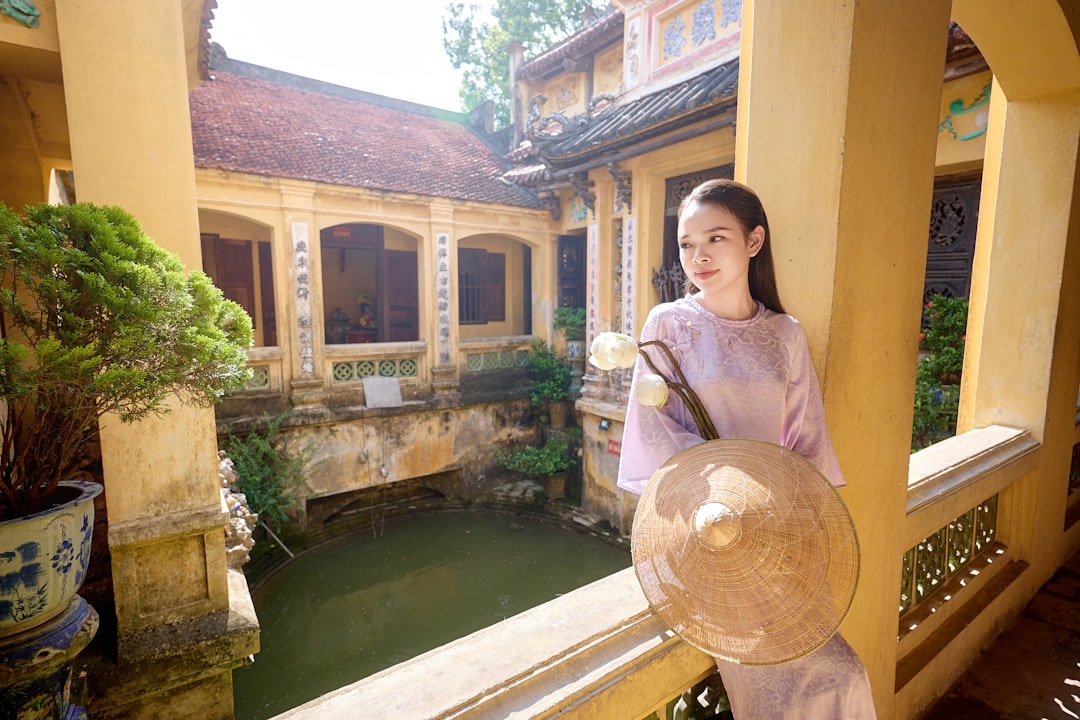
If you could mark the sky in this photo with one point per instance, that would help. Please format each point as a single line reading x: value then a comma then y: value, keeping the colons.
x: 389, y: 47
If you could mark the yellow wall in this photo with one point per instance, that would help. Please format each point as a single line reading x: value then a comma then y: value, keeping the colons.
x: 965, y: 109
x: 566, y: 94
x: 409, y: 223
x: 608, y: 71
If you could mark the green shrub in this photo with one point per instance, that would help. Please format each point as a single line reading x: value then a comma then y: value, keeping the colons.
x: 937, y: 380
x: 536, y: 461
x: 571, y: 321
x: 550, y: 375
x: 267, y: 474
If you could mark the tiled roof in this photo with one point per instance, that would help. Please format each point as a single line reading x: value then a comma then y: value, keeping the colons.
x: 561, y: 141
x: 342, y: 137
x: 577, y: 44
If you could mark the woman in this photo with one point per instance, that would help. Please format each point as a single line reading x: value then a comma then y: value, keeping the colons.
x: 750, y: 365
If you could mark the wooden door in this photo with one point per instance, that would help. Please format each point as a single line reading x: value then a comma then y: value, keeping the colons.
x: 234, y: 273
x: 399, y: 310
x: 266, y: 294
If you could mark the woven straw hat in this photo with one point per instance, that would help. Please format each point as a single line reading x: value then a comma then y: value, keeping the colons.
x: 746, y: 551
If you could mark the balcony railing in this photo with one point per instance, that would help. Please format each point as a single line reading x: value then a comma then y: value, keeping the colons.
x: 352, y: 363
x: 499, y: 353
x: 600, y: 651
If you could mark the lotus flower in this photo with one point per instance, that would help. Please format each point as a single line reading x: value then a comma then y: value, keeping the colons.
x: 610, y: 350
x: 651, y: 390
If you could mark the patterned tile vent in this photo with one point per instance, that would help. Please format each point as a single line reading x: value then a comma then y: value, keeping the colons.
x: 260, y: 378
x: 348, y: 371
x: 500, y: 359
x: 945, y: 553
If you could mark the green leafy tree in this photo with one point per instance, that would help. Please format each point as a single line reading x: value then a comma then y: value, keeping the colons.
x: 481, y: 48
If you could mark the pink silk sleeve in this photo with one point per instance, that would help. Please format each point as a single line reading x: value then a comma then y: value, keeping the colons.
x: 804, y: 429
x: 652, y: 435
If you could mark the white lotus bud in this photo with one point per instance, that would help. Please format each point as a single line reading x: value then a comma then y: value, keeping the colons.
x: 601, y: 362
x: 651, y: 390
x: 610, y: 350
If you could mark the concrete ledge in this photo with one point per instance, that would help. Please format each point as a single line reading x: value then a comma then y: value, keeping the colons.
x: 952, y: 476
x: 596, y: 652
x: 177, y: 670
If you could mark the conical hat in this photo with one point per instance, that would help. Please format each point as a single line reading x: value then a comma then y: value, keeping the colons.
x: 746, y: 551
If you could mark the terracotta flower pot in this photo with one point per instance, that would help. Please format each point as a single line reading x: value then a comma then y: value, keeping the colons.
x: 555, y: 486
x: 43, y: 558
x: 558, y: 412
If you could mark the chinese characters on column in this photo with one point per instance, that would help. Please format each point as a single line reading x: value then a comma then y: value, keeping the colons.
x: 303, y: 299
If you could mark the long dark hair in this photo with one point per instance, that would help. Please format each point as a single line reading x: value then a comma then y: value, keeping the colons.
x: 744, y: 204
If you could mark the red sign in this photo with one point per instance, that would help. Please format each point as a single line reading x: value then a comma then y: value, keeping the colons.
x: 614, y: 447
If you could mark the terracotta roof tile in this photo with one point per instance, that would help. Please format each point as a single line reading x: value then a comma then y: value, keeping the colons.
x: 253, y: 125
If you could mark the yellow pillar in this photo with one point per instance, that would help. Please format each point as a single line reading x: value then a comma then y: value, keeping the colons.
x: 838, y: 105
x: 126, y: 87
x: 1031, y: 157
x: 1021, y: 364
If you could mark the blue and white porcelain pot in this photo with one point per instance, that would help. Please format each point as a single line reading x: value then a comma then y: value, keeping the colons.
x: 43, y: 558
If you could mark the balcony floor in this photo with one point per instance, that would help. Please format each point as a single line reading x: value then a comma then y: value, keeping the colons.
x: 1032, y: 670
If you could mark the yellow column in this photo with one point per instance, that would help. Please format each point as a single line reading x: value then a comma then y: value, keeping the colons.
x: 307, y: 386
x: 1021, y: 366
x: 438, y: 275
x: 838, y: 106
x: 125, y: 88
x: 1031, y: 159
x: 126, y: 92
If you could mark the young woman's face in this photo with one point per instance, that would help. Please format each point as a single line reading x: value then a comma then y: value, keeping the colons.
x: 714, y: 250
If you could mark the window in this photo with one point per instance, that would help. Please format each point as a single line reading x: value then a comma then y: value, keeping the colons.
x: 481, y: 286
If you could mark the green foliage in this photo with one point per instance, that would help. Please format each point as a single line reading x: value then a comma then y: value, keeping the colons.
x: 99, y: 319
x: 537, y: 461
x: 266, y: 472
x: 937, y: 381
x: 480, y: 48
x: 571, y: 321
x: 550, y: 375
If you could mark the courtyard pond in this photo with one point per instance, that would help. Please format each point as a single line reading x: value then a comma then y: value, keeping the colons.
x: 363, y: 603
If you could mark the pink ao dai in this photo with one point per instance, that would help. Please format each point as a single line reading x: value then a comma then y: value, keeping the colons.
x: 756, y: 380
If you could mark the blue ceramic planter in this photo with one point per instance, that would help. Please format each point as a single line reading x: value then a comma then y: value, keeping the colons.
x: 43, y: 559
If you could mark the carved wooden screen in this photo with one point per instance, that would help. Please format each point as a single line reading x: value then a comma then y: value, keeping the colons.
x: 669, y: 281
x: 571, y: 271
x: 954, y: 216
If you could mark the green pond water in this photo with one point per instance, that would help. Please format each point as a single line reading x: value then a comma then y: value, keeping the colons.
x: 360, y: 604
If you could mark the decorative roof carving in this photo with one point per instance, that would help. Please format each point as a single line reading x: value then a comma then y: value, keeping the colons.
x: 575, y: 47
x: 623, y: 186
x: 606, y: 127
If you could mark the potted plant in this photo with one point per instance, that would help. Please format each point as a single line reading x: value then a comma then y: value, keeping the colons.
x: 547, y: 463
x: 550, y: 378
x: 570, y: 321
x: 96, y: 319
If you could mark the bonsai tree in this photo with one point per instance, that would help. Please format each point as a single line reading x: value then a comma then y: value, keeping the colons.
x: 571, y: 322
x: 98, y: 319
x: 549, y: 374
